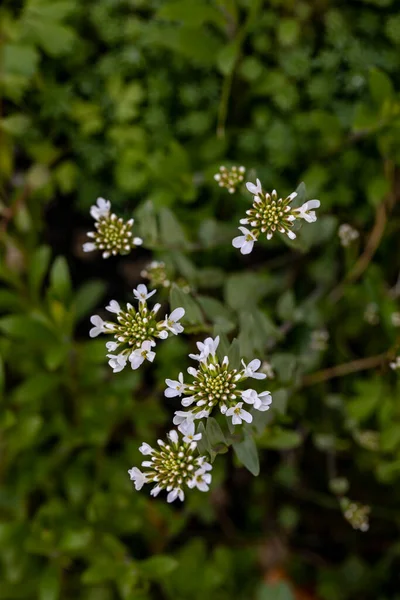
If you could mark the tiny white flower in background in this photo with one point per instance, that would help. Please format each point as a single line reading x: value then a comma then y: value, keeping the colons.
x: 230, y: 178
x: 307, y: 212
x: 347, y: 234
x: 113, y: 235
x: 251, y: 368
x: 175, y: 388
x: 173, y: 466
x: 395, y: 365
x: 238, y: 414
x: 137, y: 477
x: 141, y: 354
x: 216, y: 385
x: 171, y: 322
x: 245, y: 242
x: 371, y: 313
x: 142, y: 294
x: 319, y: 339
x: 395, y: 318
x: 266, y: 368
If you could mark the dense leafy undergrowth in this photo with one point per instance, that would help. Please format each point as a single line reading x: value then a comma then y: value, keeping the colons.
x: 141, y: 101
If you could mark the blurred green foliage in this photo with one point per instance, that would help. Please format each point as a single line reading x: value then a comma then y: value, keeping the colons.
x: 141, y: 101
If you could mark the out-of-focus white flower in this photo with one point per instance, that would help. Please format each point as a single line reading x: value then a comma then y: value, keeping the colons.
x: 395, y: 318
x: 395, y: 365
x: 230, y: 178
x: 347, y: 234
x: 319, y: 340
x: 371, y: 313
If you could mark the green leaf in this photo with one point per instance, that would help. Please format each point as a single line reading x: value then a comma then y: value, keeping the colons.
x: 26, y: 328
x: 50, y: 583
x: 192, y: 15
x: 380, y: 86
x: 277, y: 591
x: 227, y: 57
x: 234, y: 354
x: 214, y: 433
x: 193, y: 314
x: 158, y: 567
x: 246, y: 451
x: 171, y: 232
x: 38, y: 268
x: 243, y: 290
x: 280, y: 439
x: 36, y: 387
x: 60, y: 281
x: 20, y: 59
x: 87, y: 297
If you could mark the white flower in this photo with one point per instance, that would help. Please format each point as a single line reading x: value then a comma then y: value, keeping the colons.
x: 304, y: 211
x: 101, y: 210
x: 187, y: 428
x: 245, y: 242
x: 201, y: 480
x: 155, y: 491
x: 209, y: 346
x: 238, y: 414
x: 260, y: 401
x: 176, y: 493
x: 112, y: 346
x: 146, y: 449
x: 395, y: 318
x: 254, y: 189
x: 171, y: 322
x: 175, y: 388
x: 137, y: 240
x: 395, y: 365
x: 143, y: 353
x: 117, y: 362
x: 251, y: 368
x: 89, y: 247
x: 182, y: 417
x: 138, y: 477
x: 113, y: 307
x: 142, y: 294
x: 99, y: 326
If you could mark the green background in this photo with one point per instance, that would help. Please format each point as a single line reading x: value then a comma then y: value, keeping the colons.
x: 141, y: 101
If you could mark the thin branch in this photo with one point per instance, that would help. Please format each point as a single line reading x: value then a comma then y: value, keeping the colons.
x: 354, y: 366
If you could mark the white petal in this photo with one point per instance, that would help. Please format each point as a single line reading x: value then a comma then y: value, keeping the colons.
x: 177, y: 314
x: 247, y: 247
x: 238, y: 241
x: 89, y: 247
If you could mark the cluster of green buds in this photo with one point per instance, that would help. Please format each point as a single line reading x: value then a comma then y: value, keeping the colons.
x: 173, y: 466
x: 135, y: 331
x: 113, y: 235
x: 215, y: 385
x: 355, y: 513
x: 270, y: 214
x: 230, y: 178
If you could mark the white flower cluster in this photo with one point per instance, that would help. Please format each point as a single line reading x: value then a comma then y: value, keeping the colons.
x: 395, y: 364
x: 216, y: 385
x: 173, y: 466
x: 347, y: 234
x: 113, y: 235
x: 270, y: 214
x: 230, y: 178
x: 136, y: 330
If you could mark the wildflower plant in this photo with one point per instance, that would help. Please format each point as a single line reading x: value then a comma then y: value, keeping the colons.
x: 136, y: 330
x: 230, y: 178
x: 113, y: 235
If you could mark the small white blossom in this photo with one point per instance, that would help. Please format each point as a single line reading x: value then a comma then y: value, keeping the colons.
x: 395, y: 318
x: 171, y: 322
x: 188, y: 429
x: 141, y: 354
x: 137, y: 477
x: 142, y: 294
x: 146, y: 449
x: 251, y: 368
x: 230, y: 178
x: 89, y: 247
x: 114, y: 307
x: 260, y: 401
x: 117, y: 362
x: 99, y: 326
x: 347, y: 234
x: 175, y: 388
x: 254, y: 189
x: 245, y: 242
x: 201, y: 480
x: 207, y: 348
x: 307, y: 212
x: 266, y: 368
x: 101, y: 210
x: 238, y: 414
x: 395, y: 365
